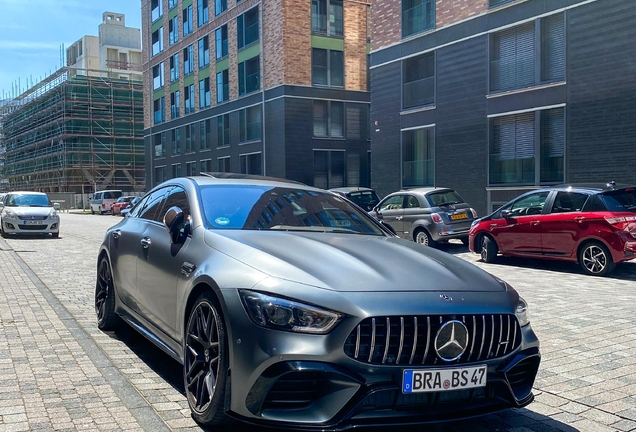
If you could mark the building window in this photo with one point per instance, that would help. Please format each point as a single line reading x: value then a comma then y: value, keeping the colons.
x: 157, y: 76
x: 205, y: 136
x: 515, y: 61
x: 191, y: 168
x: 188, y: 99
x: 495, y: 3
x: 204, y: 52
x: 327, y: 67
x: 250, y: 124
x: 418, y: 157
x: 204, y: 93
x: 517, y: 140
x: 190, y: 138
x: 188, y: 60
x: 223, y: 130
x: 173, y: 30
x: 220, y: 6
x: 251, y: 163
x: 159, y: 109
x: 172, y: 3
x: 160, y: 144
x: 328, y: 23
x: 417, y: 16
x: 176, y: 141
x: 206, y: 166
x: 176, y: 170
x: 155, y: 9
x: 224, y: 164
x: 249, y: 75
x: 160, y: 174
x: 157, y: 41
x: 175, y: 105
x: 328, y: 119
x: 357, y: 121
x: 222, y: 86
x: 221, y: 42
x: 247, y: 28
x: 418, y: 80
x: 202, y: 12
x: 187, y: 21
x: 329, y: 168
x: 174, y: 68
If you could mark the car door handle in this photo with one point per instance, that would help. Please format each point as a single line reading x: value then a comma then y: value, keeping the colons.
x: 579, y: 219
x: 535, y: 223
x: 398, y: 218
x: 145, y: 242
x: 116, y: 234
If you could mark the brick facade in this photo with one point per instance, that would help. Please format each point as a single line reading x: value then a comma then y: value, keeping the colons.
x: 273, y: 57
x: 451, y: 11
x: 355, y: 45
x: 386, y: 19
x: 297, y: 41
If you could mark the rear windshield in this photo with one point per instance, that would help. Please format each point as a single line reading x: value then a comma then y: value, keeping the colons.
x: 438, y: 199
x: 249, y: 207
x: 621, y: 200
x: 365, y: 199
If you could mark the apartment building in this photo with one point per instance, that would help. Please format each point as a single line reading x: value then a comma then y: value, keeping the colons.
x: 81, y: 128
x: 270, y: 87
x: 495, y: 97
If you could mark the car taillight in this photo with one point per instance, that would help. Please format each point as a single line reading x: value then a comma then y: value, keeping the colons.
x: 436, y: 218
x: 618, y: 220
x: 474, y: 213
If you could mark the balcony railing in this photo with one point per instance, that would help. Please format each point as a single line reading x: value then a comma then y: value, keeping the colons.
x: 114, y: 64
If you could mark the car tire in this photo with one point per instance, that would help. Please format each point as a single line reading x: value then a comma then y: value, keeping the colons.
x: 101, y: 212
x: 92, y: 211
x: 55, y: 235
x: 424, y: 238
x: 595, y: 259
x: 107, y: 319
x: 465, y: 241
x: 205, y: 364
x: 2, y: 233
x: 488, y: 250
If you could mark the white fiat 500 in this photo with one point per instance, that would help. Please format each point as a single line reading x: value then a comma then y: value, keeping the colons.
x: 28, y: 213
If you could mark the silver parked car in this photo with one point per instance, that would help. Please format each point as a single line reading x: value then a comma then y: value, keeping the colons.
x: 28, y: 213
x: 427, y: 215
x: 290, y: 307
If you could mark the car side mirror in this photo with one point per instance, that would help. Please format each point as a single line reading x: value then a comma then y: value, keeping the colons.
x: 506, y: 214
x: 56, y: 206
x: 174, y: 221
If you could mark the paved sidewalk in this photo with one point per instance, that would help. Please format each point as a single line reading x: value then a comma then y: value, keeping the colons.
x: 52, y: 375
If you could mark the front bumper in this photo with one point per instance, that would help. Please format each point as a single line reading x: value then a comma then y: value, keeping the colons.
x: 301, y: 381
x: 30, y: 227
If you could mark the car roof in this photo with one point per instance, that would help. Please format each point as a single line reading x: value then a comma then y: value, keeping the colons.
x: 593, y: 187
x: 350, y: 189
x: 210, y: 179
x: 25, y: 192
x: 424, y: 190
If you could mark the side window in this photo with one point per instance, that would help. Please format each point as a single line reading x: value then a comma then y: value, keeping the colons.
x: 566, y: 202
x: 107, y: 195
x: 529, y: 205
x: 137, y: 209
x: 394, y: 203
x: 412, y: 202
x: 151, y: 211
x: 98, y: 196
x: 178, y: 198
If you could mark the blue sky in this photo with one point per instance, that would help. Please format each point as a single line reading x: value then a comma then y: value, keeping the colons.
x: 32, y: 32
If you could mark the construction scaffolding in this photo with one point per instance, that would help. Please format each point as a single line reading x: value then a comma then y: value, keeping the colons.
x: 76, y: 131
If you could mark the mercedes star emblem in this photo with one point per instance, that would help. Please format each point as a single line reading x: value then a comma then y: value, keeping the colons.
x: 451, y: 340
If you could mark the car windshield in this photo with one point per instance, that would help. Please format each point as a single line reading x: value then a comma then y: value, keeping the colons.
x: 277, y: 208
x: 365, y: 199
x: 621, y: 200
x: 444, y: 198
x: 28, y: 200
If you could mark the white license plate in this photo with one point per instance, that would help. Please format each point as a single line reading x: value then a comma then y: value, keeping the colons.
x: 435, y: 380
x: 32, y: 222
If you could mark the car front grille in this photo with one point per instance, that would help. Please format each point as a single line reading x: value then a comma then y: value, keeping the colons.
x: 32, y: 217
x: 410, y: 340
x: 521, y: 376
x: 296, y: 390
x: 33, y: 227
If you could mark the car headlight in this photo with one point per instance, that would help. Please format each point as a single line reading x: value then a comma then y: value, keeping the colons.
x: 53, y: 214
x: 522, y: 312
x: 9, y: 214
x: 282, y: 314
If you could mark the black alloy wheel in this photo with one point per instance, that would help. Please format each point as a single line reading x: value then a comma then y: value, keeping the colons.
x: 107, y: 319
x: 488, y: 249
x: 595, y: 259
x: 206, y: 362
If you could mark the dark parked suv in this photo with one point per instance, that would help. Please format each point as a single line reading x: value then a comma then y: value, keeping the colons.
x: 427, y: 215
x: 363, y: 196
x: 594, y: 225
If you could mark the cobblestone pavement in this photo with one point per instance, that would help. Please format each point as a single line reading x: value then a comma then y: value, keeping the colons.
x: 59, y: 372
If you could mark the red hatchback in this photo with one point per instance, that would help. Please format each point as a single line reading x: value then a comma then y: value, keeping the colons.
x: 121, y: 203
x: 594, y: 226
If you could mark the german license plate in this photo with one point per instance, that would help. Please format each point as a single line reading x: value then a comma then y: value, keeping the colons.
x: 435, y: 380
x: 33, y: 222
x: 459, y: 216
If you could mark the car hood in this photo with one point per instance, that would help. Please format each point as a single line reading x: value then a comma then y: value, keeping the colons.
x: 30, y: 211
x: 349, y: 262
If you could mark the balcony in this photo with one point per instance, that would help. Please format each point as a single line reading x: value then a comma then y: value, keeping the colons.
x: 121, y: 65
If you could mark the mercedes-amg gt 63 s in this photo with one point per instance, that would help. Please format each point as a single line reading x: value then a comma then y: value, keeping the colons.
x: 290, y: 307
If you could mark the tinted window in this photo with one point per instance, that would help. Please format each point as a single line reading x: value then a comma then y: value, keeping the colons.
x: 134, y: 212
x: 272, y: 208
x: 152, y: 207
x: 620, y: 201
x: 365, y: 199
x: 438, y: 199
x: 594, y: 204
x: 412, y: 202
x: 529, y: 205
x: 177, y: 198
x: 566, y: 202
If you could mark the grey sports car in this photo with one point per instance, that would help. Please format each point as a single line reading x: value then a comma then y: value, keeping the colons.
x: 290, y: 307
